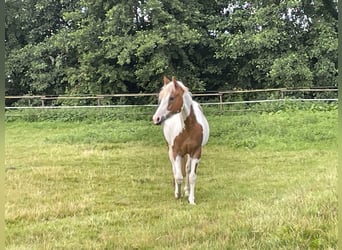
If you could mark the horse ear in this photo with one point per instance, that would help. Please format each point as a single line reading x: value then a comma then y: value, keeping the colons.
x: 175, y: 82
x: 166, y: 80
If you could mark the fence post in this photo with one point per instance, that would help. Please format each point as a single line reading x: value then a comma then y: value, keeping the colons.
x: 221, y: 102
x: 42, y: 100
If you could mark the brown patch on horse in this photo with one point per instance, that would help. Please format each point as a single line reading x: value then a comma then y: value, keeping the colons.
x: 189, y: 141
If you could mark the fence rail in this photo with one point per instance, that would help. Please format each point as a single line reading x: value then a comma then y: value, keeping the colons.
x: 220, y: 97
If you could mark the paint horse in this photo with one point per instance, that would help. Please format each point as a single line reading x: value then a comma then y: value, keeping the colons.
x: 185, y: 129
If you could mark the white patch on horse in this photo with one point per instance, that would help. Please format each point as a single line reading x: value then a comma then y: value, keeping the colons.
x: 202, y: 121
x: 173, y: 127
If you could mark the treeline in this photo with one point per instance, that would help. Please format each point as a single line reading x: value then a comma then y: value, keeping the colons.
x: 58, y: 47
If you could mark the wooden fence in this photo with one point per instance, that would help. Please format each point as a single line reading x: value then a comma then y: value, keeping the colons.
x: 216, y: 98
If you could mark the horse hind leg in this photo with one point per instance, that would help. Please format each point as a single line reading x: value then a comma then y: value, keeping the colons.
x: 192, y: 180
x: 186, y: 172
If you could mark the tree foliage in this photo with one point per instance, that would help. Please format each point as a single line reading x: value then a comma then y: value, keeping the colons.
x: 92, y: 47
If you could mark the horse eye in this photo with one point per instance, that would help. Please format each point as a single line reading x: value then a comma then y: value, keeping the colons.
x: 171, y: 98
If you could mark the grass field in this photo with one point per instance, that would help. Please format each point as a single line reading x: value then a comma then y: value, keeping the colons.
x: 265, y: 181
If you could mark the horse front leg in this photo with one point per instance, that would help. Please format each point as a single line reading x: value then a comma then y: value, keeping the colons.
x: 177, y: 172
x: 178, y: 176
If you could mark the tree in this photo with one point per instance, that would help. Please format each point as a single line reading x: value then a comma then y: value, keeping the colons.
x: 93, y: 47
x: 33, y: 63
x: 279, y: 44
x: 155, y: 38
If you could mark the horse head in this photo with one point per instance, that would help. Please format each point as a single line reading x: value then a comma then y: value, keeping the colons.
x: 170, y: 100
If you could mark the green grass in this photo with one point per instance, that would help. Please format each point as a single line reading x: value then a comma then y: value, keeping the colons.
x: 265, y: 181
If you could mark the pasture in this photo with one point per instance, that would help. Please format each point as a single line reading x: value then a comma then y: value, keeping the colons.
x: 265, y: 181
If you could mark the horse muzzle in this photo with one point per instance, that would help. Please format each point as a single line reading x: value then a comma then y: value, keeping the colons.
x: 157, y: 120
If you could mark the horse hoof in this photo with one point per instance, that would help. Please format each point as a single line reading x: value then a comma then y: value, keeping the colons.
x: 192, y: 202
x: 177, y: 196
